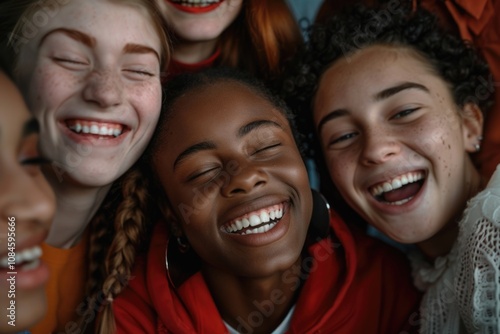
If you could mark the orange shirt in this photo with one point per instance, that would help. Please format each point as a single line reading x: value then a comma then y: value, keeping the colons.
x: 66, y: 286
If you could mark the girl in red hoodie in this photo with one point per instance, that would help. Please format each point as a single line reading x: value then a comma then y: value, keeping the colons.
x: 240, y: 247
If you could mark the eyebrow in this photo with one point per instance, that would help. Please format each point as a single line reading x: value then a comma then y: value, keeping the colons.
x: 91, y: 41
x: 73, y: 34
x: 140, y: 49
x: 210, y: 145
x: 203, y: 146
x: 30, y: 126
x: 246, y: 129
x: 384, y: 94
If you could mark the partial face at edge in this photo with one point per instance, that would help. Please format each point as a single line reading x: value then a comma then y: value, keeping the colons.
x: 27, y: 206
x: 229, y: 159
x: 386, y: 121
x: 94, y: 86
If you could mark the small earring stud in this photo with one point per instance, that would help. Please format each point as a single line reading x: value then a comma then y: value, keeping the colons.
x: 477, y: 147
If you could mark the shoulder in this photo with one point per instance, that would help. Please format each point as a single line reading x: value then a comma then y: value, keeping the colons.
x: 134, y: 308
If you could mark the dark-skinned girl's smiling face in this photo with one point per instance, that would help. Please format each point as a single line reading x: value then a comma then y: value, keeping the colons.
x: 234, y: 179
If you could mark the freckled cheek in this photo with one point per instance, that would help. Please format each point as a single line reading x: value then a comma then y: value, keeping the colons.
x: 338, y: 167
x: 147, y: 102
x: 49, y: 88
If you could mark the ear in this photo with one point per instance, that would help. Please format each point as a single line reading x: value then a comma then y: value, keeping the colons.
x: 170, y: 217
x: 472, y: 121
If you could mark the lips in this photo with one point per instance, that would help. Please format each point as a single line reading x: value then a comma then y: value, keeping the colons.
x: 196, y: 6
x: 256, y: 222
x: 101, y: 129
x: 399, y: 190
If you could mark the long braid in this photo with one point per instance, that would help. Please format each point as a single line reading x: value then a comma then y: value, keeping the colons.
x: 131, y: 225
x: 101, y: 234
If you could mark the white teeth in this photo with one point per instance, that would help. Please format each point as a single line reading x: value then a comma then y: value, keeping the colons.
x: 254, y: 220
x: 196, y: 3
x: 26, y: 255
x: 239, y: 225
x: 403, y: 201
x: 261, y: 220
x: 396, y: 183
x: 96, y: 129
x: 261, y: 229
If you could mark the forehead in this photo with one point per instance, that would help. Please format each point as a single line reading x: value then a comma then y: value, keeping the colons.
x: 222, y: 104
x: 120, y: 20
x: 371, y: 69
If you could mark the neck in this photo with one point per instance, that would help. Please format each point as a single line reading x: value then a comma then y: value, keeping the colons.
x: 76, y: 205
x: 193, y: 52
x: 239, y: 299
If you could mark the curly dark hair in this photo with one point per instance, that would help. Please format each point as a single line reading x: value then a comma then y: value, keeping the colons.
x: 454, y: 60
x: 358, y: 27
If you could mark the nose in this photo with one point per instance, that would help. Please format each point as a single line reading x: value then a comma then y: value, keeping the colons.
x: 103, y: 88
x: 378, y: 148
x: 244, y: 180
x: 27, y: 198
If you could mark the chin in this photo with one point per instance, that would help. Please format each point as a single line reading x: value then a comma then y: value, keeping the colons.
x: 92, y: 178
x: 30, y: 309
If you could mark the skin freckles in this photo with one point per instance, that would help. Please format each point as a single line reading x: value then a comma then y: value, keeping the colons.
x: 78, y: 73
x: 384, y: 114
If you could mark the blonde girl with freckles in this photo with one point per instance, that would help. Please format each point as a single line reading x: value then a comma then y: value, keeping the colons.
x: 397, y: 107
x: 91, y: 74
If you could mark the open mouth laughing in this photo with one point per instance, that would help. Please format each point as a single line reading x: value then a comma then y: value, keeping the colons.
x: 196, y: 3
x: 25, y: 260
x: 255, y: 222
x: 400, y: 189
x: 100, y: 129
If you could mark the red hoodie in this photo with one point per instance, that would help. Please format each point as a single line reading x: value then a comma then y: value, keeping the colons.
x: 357, y: 285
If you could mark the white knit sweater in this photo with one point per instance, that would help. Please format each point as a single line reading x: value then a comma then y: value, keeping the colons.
x: 462, y: 289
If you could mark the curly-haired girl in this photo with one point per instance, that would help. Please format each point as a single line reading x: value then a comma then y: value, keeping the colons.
x: 238, y: 248
x: 397, y: 109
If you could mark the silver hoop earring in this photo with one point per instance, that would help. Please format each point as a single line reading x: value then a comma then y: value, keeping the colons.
x: 183, y: 244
